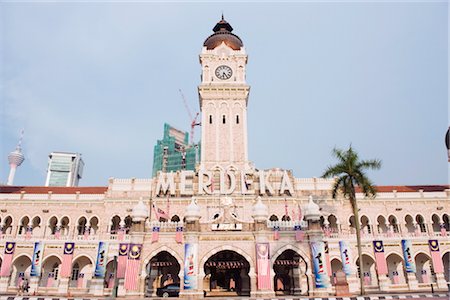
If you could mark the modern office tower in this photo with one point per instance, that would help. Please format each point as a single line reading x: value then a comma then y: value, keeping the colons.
x: 64, y: 169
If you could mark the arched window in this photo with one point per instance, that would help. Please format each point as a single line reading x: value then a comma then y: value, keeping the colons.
x: 421, y: 223
x: 285, y: 218
x: 273, y: 218
x: 81, y: 225
x: 237, y: 119
x: 175, y: 218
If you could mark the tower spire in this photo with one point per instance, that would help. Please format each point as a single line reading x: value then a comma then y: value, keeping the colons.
x: 15, y: 159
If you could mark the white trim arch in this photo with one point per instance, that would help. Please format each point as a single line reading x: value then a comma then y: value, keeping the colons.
x: 155, y: 252
x: 300, y: 252
x: 83, y: 255
x: 216, y: 250
x: 19, y: 256
x: 51, y: 255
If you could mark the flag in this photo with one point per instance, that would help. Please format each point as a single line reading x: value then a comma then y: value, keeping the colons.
x: 57, y: 233
x: 7, y: 259
x: 87, y: 232
x: 276, y: 233
x: 80, y: 281
x: 263, y: 266
x: 425, y: 278
x: 133, y: 264
x: 20, y: 279
x: 300, y: 217
x: 28, y: 233
x: 395, y: 277
x: 299, y: 234
x: 121, y: 234
x: 122, y: 260
x: 159, y: 213
x: 367, y: 279
x: 443, y: 230
x: 66, y: 268
x: 179, y: 235
x: 50, y: 279
x: 436, y: 256
x: 155, y: 234
x: 111, y: 281
x: 286, y: 210
x: 380, y: 260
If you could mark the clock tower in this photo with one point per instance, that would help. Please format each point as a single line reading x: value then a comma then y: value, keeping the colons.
x: 223, y: 96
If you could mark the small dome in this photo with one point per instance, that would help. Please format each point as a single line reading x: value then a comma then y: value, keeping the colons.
x: 312, y: 210
x: 260, y: 212
x: 139, y: 212
x: 222, y: 33
x: 192, y: 212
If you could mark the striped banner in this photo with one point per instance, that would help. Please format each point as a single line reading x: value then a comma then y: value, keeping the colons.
x: 380, y: 259
x: 133, y: 264
x: 263, y: 266
x: 436, y: 256
x: 122, y: 260
x: 155, y: 234
x: 66, y: 266
x: 179, y: 235
x: 7, y: 259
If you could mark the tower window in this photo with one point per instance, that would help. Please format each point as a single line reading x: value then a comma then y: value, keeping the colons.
x: 223, y: 119
x: 237, y: 119
x: 210, y: 119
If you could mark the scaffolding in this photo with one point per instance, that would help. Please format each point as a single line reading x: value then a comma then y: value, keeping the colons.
x: 174, y: 153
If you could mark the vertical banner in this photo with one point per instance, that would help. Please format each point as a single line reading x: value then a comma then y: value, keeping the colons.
x: 380, y: 260
x: 133, y: 264
x: 436, y: 256
x: 7, y: 259
x: 318, y: 256
x: 37, y: 259
x: 346, y: 257
x: 263, y: 266
x: 410, y: 265
x: 100, y: 266
x: 190, y: 261
x: 122, y: 260
x: 66, y: 266
x: 327, y: 258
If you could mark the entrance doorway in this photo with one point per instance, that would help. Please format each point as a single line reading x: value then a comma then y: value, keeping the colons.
x: 163, y: 269
x: 290, y: 278
x: 226, y: 275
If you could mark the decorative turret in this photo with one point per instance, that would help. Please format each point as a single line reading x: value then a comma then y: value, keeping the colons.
x: 192, y: 213
x: 139, y: 212
x: 260, y: 212
x: 312, y: 211
x: 15, y: 159
x: 222, y: 34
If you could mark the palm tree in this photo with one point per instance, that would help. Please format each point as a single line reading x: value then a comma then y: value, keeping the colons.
x: 350, y: 172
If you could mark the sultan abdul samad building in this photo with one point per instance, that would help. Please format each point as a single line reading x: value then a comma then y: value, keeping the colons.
x: 226, y: 228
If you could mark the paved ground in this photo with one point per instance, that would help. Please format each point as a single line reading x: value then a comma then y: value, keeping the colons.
x: 419, y: 296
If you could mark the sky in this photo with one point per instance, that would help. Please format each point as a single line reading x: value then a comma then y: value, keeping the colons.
x: 101, y: 79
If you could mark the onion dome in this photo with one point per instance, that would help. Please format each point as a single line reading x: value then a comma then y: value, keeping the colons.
x: 222, y: 34
x: 192, y: 212
x: 139, y: 212
x: 312, y: 211
x: 260, y: 212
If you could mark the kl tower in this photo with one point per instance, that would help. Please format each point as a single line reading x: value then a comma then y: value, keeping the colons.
x: 15, y: 159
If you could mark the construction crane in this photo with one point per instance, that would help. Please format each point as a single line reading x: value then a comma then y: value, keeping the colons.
x: 193, y: 120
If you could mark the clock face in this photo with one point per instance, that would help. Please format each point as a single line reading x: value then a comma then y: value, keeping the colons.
x: 224, y: 72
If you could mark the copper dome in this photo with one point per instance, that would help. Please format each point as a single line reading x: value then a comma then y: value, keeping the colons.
x: 222, y: 33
